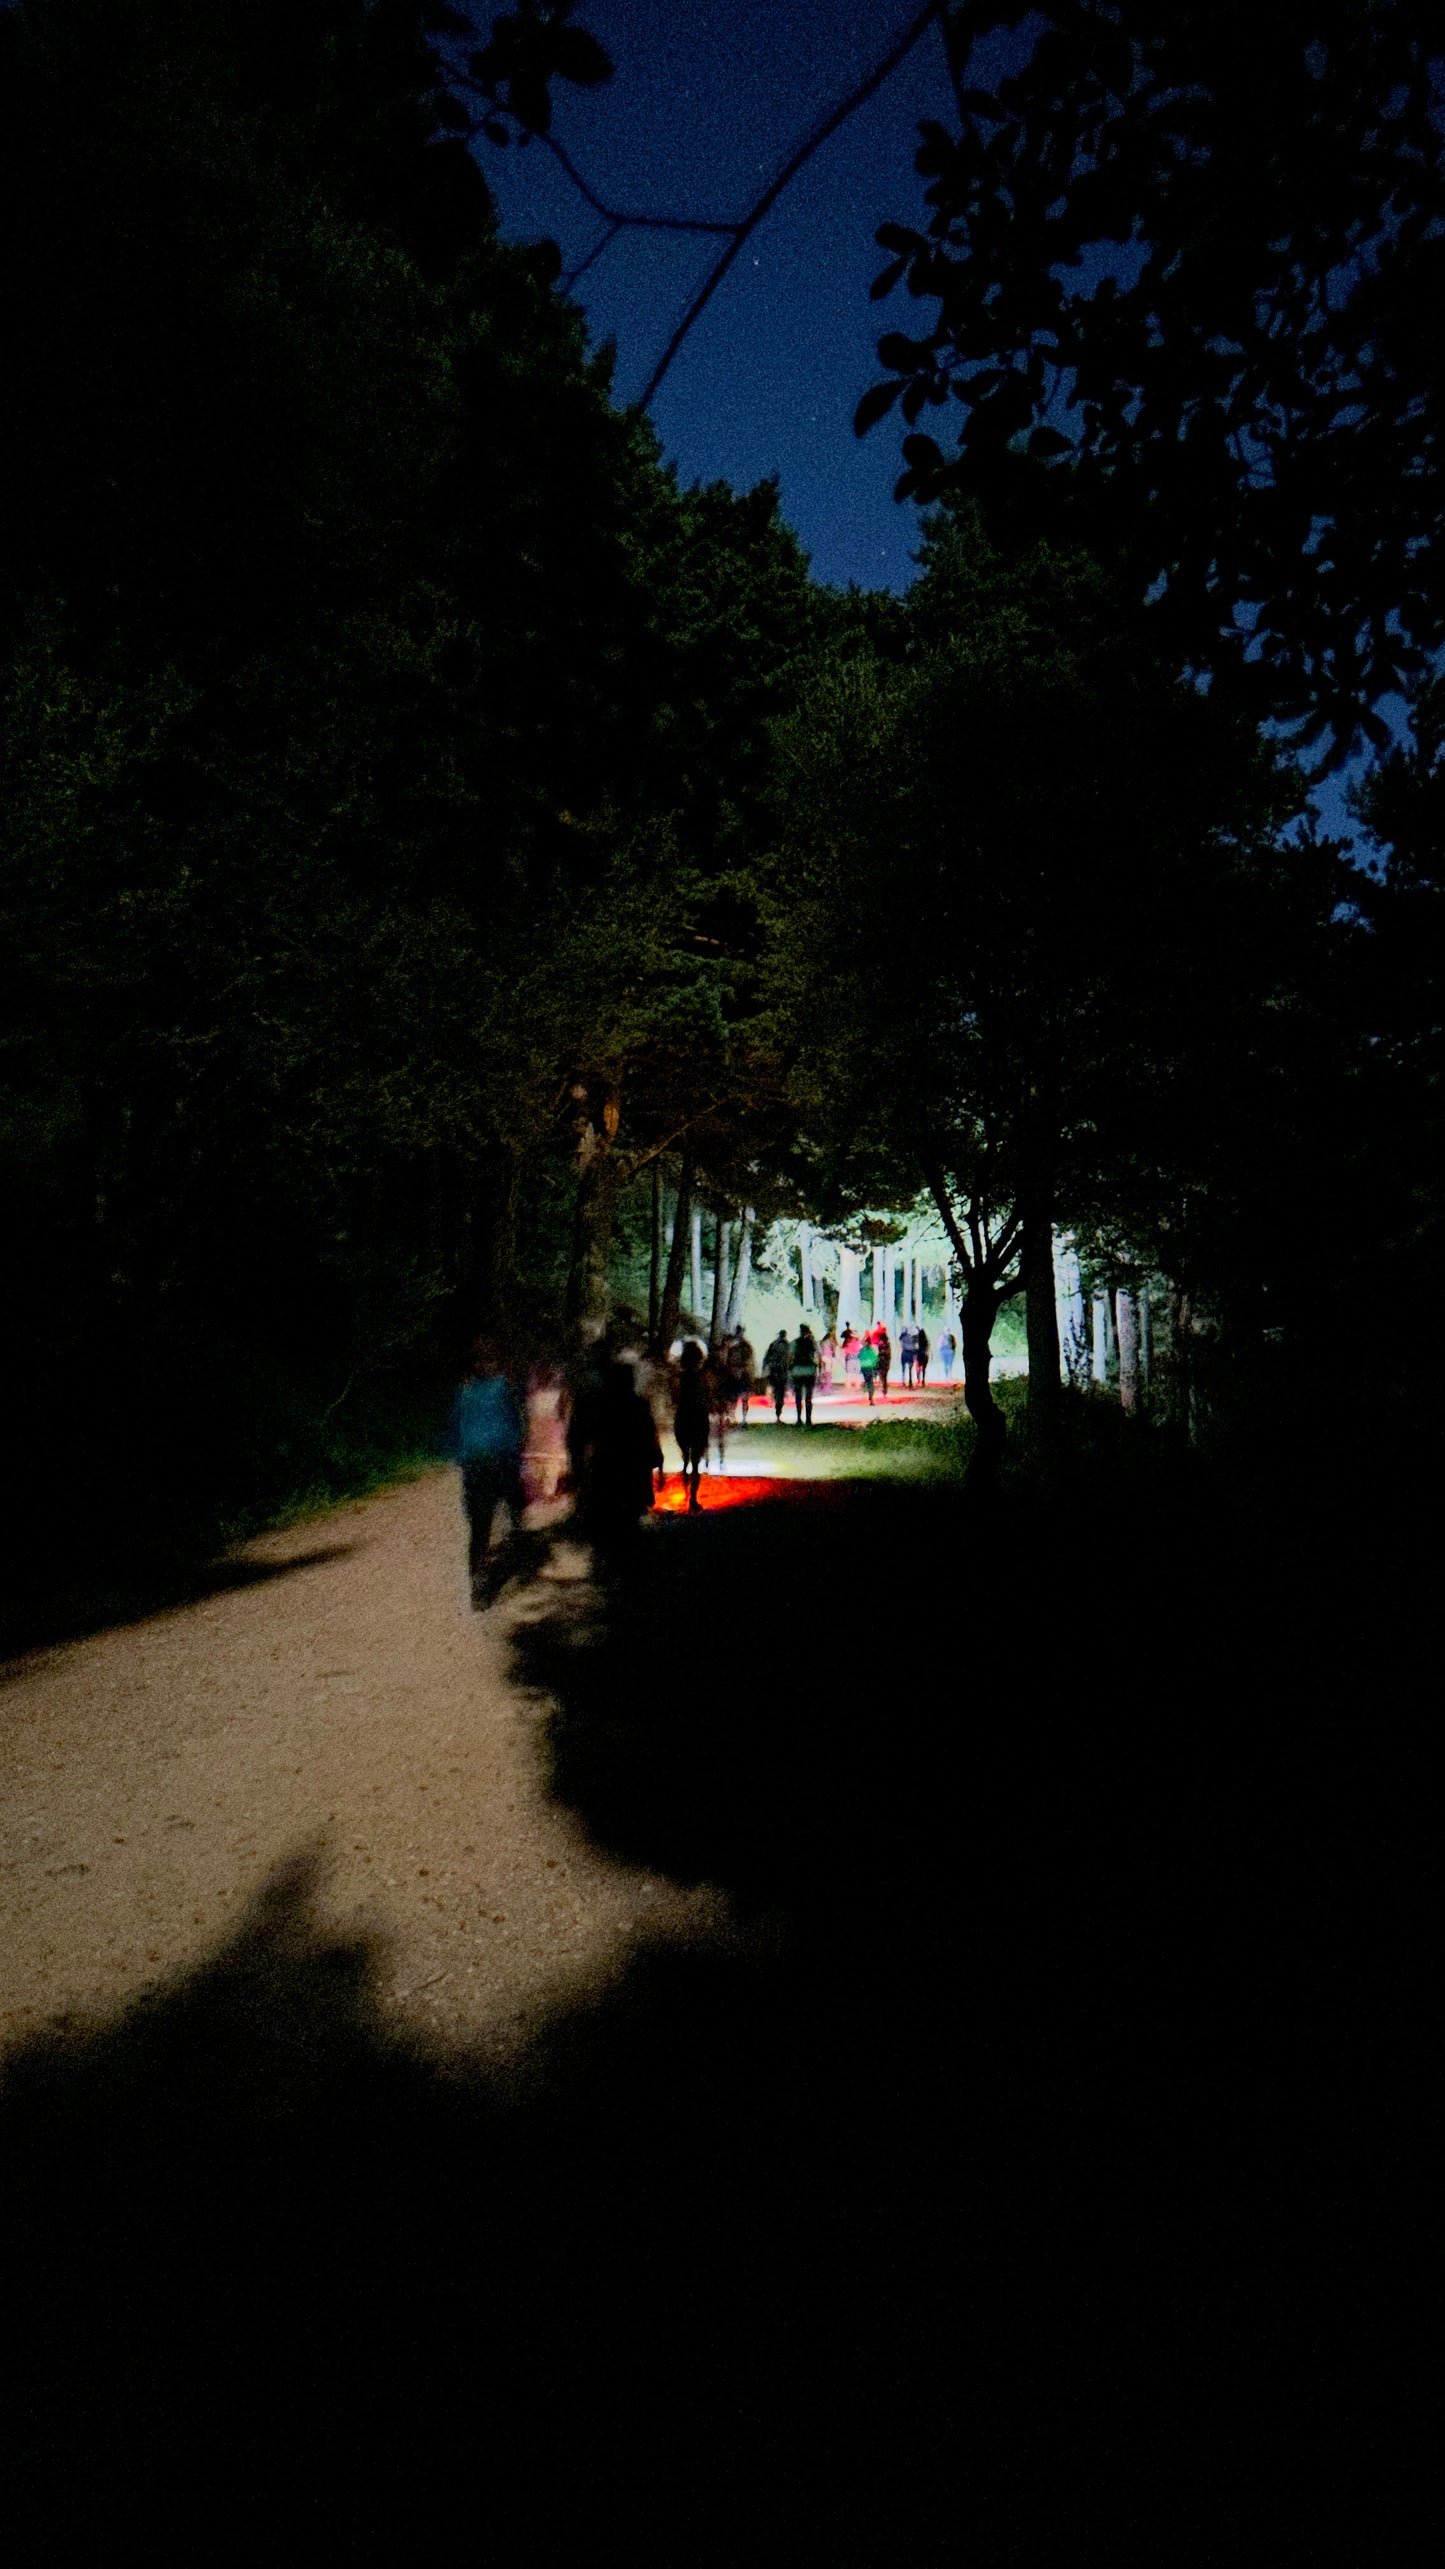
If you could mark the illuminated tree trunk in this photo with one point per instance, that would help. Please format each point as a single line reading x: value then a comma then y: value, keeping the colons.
x: 805, y: 1266
x: 1128, y: 1328
x: 672, y: 1283
x: 742, y: 1272
x: 1101, y: 1338
x: 696, y: 1261
x: 719, y: 1279
x: 1041, y: 1310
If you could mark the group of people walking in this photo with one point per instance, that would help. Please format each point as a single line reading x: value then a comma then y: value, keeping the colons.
x: 611, y: 1408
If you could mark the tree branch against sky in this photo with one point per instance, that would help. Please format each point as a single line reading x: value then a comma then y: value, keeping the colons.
x: 1198, y: 254
x: 536, y: 45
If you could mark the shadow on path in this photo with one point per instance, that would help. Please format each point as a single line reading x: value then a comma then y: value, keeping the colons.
x: 31, y: 1626
x: 1016, y: 2181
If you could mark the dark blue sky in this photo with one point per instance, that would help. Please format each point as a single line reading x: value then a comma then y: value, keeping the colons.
x: 708, y: 98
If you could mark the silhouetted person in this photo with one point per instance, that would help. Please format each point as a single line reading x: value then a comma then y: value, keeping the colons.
x: 743, y: 1363
x: 692, y: 1417
x: 618, y: 1453
x: 777, y: 1365
x: 947, y: 1350
x: 804, y: 1370
x: 884, y: 1346
x: 907, y: 1349
x: 486, y: 1435
x: 920, y: 1358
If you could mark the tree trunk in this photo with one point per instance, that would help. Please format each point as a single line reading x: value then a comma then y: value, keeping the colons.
x: 1145, y: 1349
x: 589, y: 1289
x: 719, y: 1279
x: 654, y: 1262
x: 1041, y: 1311
x: 1100, y: 1366
x: 980, y: 1306
x: 671, y: 1310
x: 742, y: 1272
x: 805, y: 1267
x: 1128, y: 1329
x: 589, y: 1277
x: 696, y: 1262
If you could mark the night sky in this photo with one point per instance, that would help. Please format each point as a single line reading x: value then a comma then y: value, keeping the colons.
x: 707, y: 99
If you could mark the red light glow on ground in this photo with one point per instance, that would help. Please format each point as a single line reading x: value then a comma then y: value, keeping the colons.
x: 744, y: 1489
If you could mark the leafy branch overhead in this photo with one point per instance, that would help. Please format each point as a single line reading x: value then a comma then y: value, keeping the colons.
x: 1196, y: 251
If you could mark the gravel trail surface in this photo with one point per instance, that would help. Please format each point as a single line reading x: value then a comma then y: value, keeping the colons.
x: 347, y: 1706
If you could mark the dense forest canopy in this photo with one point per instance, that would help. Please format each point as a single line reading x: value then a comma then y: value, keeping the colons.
x: 426, y: 823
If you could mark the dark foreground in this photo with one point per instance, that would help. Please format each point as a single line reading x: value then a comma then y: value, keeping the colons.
x: 1039, y: 2177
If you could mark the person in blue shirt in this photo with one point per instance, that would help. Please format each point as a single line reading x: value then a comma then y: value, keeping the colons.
x: 486, y: 1434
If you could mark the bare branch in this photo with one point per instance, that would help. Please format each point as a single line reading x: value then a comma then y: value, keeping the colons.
x: 610, y: 213
x: 736, y: 234
x: 813, y: 142
x: 603, y: 242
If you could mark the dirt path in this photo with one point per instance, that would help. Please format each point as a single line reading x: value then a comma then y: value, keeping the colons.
x: 152, y: 1777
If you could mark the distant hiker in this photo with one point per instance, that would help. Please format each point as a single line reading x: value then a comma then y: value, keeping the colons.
x: 803, y: 1367
x: 778, y: 1365
x: 743, y: 1365
x: 485, y: 1435
x: 618, y: 1453
x: 884, y: 1345
x: 920, y: 1357
x: 907, y: 1349
x: 692, y: 1418
x: 868, y: 1366
x: 947, y: 1350
x: 718, y: 1376
x: 848, y: 1350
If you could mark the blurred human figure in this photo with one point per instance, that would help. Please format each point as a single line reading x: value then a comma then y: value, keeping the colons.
x: 544, y: 1462
x: 778, y: 1365
x: 744, y: 1366
x: 868, y: 1366
x: 652, y: 1377
x: 718, y: 1376
x: 907, y: 1349
x: 827, y: 1359
x: 848, y: 1350
x: 618, y: 1453
x: 692, y: 1418
x: 947, y: 1350
x: 485, y: 1436
x: 884, y: 1345
x: 920, y: 1357
x: 804, y: 1370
